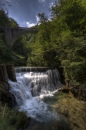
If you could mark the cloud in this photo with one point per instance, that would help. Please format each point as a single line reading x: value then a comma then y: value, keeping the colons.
x: 9, y: 1
x: 37, y: 19
x: 30, y: 24
x: 51, y: 4
x: 41, y: 1
x: 6, y: 1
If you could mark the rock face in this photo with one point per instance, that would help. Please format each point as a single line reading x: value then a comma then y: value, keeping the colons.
x: 11, y: 72
x: 5, y: 95
x: 6, y: 72
x: 3, y: 73
x: 60, y: 69
x: 79, y: 92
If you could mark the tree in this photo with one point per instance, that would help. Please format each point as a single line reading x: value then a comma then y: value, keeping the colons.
x: 4, y: 20
x: 42, y: 18
x: 13, y: 23
x: 69, y: 21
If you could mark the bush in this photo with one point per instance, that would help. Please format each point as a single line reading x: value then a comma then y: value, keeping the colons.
x: 11, y: 119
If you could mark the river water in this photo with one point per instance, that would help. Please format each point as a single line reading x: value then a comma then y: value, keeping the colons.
x: 30, y: 90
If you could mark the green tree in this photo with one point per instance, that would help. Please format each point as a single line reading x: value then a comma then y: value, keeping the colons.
x: 69, y: 22
x: 4, y: 20
x: 13, y: 23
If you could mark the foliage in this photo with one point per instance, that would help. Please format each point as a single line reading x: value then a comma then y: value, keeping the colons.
x: 7, y: 55
x: 4, y: 21
x: 71, y: 37
x: 62, y: 40
x: 13, y: 23
x: 59, y: 42
x: 12, y: 119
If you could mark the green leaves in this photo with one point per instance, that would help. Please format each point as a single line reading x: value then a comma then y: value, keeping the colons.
x: 61, y: 40
x: 42, y: 18
x: 69, y: 18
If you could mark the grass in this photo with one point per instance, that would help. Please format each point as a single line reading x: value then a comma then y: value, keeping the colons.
x: 71, y: 108
x: 11, y: 119
x: 74, y: 110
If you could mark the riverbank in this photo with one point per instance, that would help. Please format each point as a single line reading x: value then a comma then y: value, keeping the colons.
x: 73, y: 109
x: 11, y: 119
x: 63, y: 102
x: 69, y: 107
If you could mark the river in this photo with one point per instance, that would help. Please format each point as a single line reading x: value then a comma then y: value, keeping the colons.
x: 31, y: 91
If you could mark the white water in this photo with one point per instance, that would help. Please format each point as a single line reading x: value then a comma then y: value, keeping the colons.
x: 29, y: 90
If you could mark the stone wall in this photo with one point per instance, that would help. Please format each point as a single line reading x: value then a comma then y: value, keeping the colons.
x: 7, y: 72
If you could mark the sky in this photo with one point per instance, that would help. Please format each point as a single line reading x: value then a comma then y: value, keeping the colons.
x: 25, y: 12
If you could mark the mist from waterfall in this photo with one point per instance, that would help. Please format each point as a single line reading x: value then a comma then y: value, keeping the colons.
x: 31, y: 88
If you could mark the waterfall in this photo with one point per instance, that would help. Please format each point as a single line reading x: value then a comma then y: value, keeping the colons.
x: 31, y: 87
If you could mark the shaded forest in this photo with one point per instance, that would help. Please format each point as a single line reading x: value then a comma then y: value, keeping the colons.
x: 60, y: 41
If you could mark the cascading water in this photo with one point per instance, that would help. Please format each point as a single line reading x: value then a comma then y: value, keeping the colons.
x: 29, y: 90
